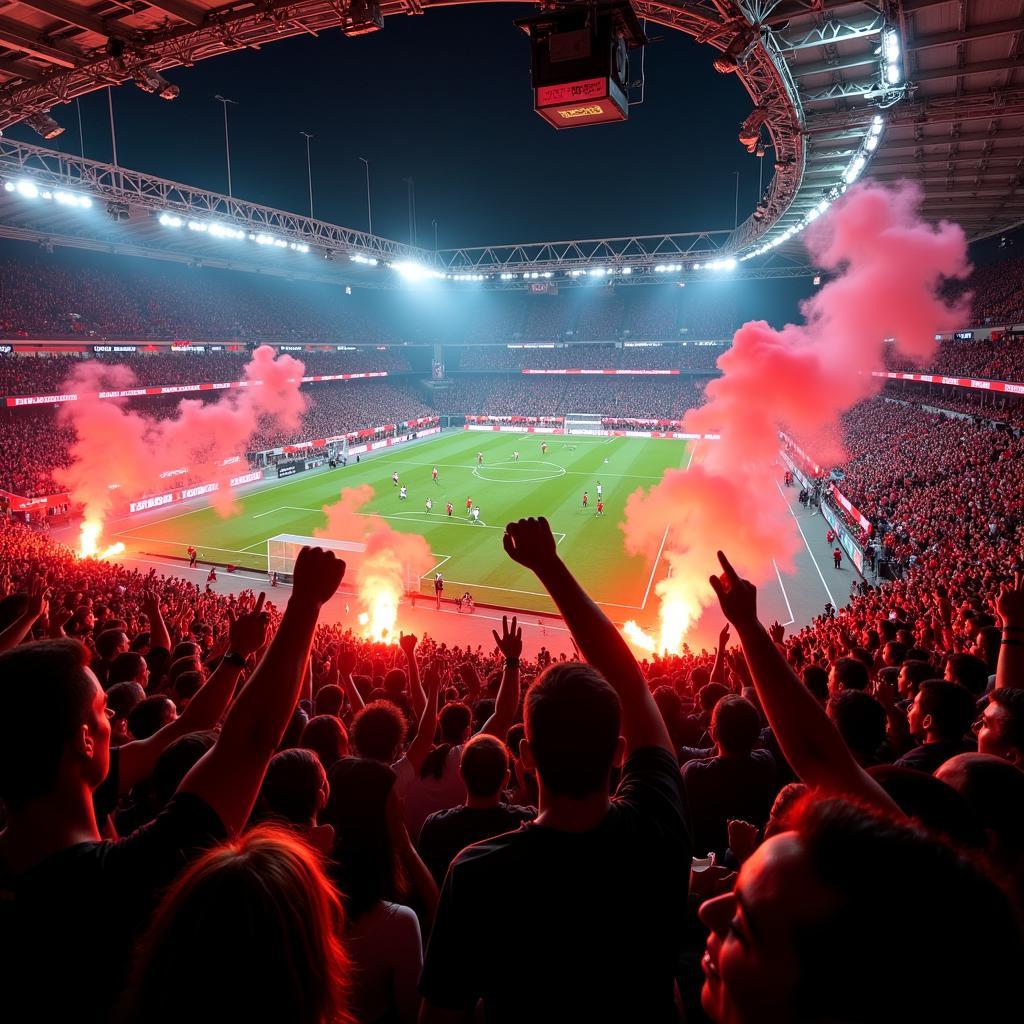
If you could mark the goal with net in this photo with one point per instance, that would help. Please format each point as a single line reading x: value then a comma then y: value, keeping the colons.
x: 284, y: 548
x: 583, y: 423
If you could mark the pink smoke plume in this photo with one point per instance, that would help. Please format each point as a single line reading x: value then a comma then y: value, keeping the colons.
x: 888, y: 266
x: 120, y: 454
x: 391, y: 562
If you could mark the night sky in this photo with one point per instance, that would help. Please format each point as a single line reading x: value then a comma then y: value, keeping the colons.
x: 444, y: 98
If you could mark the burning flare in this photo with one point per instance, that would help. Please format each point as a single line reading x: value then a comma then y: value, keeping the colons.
x: 89, y: 545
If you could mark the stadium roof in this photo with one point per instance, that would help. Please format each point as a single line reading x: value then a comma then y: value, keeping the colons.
x: 932, y: 91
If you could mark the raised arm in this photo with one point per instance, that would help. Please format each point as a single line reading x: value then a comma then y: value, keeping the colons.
x: 510, y: 643
x: 228, y: 777
x: 418, y: 699
x: 530, y: 543
x: 424, y: 738
x: 718, y: 669
x: 808, y: 739
x: 345, y: 659
x: 158, y: 635
x: 246, y: 635
x: 1010, y: 605
x: 36, y: 607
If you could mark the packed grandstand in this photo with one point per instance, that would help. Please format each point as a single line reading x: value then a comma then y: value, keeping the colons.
x: 847, y: 838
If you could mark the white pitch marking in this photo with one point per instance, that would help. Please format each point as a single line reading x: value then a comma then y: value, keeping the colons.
x: 782, y: 495
x: 785, y: 596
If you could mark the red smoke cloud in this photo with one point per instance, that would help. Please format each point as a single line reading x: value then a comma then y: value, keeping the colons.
x: 391, y: 562
x: 888, y: 265
x: 118, y: 446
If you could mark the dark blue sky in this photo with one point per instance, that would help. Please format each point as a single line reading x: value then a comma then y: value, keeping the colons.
x: 446, y: 99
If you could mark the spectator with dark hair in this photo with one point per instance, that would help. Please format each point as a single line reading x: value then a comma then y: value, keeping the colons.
x: 379, y: 873
x: 121, y: 699
x: 251, y: 931
x: 293, y: 793
x: 810, y: 901
x: 738, y: 782
x: 484, y: 767
x: 329, y: 700
x: 969, y: 671
x: 56, y: 875
x: 815, y: 678
x: 912, y: 674
x: 939, y: 718
x: 378, y: 731
x: 326, y: 737
x: 150, y: 715
x: 186, y: 686
x: 861, y: 722
x: 129, y: 667
x: 847, y: 674
x: 1001, y: 725
x: 498, y: 893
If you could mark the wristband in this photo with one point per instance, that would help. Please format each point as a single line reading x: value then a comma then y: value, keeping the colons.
x: 511, y: 663
x: 1011, y: 643
x: 234, y: 658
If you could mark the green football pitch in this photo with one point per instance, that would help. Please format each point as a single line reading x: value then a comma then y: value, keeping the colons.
x: 470, y: 556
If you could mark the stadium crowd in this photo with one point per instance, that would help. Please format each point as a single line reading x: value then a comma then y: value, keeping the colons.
x: 992, y: 360
x: 36, y: 443
x: 200, y: 791
x: 691, y: 358
x: 44, y: 374
x: 996, y: 290
x: 500, y: 395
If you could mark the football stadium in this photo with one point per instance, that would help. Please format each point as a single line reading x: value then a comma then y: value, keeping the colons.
x: 513, y: 512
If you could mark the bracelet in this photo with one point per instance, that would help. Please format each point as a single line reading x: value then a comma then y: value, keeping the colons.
x: 234, y: 658
x: 1011, y: 643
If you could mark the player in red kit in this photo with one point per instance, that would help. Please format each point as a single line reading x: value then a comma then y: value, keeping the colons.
x: 434, y: 474
x: 837, y: 556
x: 585, y: 499
x: 449, y: 509
x: 192, y: 555
x: 469, y: 505
x: 600, y: 508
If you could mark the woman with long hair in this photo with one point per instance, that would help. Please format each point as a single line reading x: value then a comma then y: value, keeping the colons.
x: 378, y: 871
x: 251, y: 931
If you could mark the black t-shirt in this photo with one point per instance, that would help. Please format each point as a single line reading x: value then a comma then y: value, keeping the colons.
x: 721, y: 788
x: 445, y: 833
x: 544, y: 925
x: 68, y: 925
x: 928, y: 756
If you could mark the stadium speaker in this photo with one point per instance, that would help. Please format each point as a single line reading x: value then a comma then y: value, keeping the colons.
x: 362, y: 17
x: 580, y: 62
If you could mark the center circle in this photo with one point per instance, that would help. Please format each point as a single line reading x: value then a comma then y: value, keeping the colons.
x: 519, y: 473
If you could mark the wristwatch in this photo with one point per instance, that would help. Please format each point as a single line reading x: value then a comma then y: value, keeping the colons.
x: 236, y: 659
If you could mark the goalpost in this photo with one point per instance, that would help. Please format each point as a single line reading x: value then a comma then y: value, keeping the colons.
x: 284, y: 548
x: 583, y: 423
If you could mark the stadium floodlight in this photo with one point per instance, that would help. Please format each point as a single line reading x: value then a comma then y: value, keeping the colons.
x: 358, y: 257
x: 891, y: 45
x: 853, y: 171
x: 871, y: 143
x: 170, y: 220
x: 44, y: 125
x: 627, y: 270
x: 414, y: 272
x: 27, y: 189
x: 8, y: 186
x: 893, y: 74
x: 153, y: 82
x: 876, y: 124
x: 597, y: 271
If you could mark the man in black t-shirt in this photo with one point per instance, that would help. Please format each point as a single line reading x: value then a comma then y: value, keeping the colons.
x: 577, y: 916
x: 72, y: 905
x: 485, y: 770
